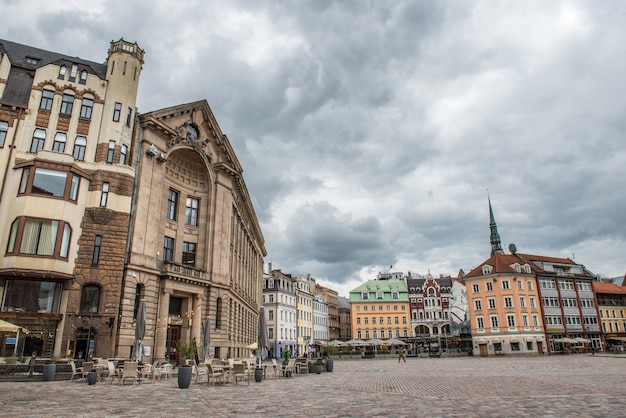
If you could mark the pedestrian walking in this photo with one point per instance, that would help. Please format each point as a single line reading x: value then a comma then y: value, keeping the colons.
x: 401, y: 355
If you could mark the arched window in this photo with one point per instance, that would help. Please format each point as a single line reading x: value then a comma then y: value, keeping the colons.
x: 89, y: 299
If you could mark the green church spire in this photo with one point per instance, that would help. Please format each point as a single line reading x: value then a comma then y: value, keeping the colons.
x: 495, y: 237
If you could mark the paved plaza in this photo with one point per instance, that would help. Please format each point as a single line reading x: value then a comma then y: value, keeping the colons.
x: 547, y: 386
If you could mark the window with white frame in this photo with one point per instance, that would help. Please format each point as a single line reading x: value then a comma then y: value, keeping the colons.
x: 475, y: 288
x: 506, y: 285
x: 510, y: 319
x: 494, y: 321
x: 480, y: 323
x: 489, y: 286
x: 508, y: 302
x: 86, y: 108
x: 4, y: 128
x: 59, y: 142
x: 39, y: 138
x: 478, y: 305
x: 80, y: 145
x: 105, y: 194
x: 47, y: 98
x: 67, y: 104
x: 492, y: 303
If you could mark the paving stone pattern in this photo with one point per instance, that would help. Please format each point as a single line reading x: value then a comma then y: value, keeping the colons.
x: 548, y: 386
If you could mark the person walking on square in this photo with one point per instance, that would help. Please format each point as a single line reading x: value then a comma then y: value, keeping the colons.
x: 401, y: 355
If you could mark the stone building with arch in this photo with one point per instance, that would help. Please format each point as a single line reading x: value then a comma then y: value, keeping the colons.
x: 104, y: 207
x: 196, y: 248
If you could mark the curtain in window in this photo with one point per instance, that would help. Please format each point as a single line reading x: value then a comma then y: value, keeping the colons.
x: 48, y: 237
x: 30, y: 236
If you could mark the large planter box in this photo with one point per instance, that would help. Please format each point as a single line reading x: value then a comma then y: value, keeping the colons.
x: 49, y: 370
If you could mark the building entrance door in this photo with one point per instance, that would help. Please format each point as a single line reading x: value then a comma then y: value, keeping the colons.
x: 540, y: 347
x: 171, y: 343
x: 483, y: 350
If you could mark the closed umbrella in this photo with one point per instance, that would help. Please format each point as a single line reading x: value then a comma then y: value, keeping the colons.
x: 263, y: 341
x: 140, y: 330
x: 207, y: 338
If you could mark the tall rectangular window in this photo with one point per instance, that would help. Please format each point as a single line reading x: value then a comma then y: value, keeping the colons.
x: 172, y: 202
x: 111, y: 152
x: 46, y: 100
x: 123, y: 153
x: 191, y: 211
x: 511, y: 320
x: 117, y: 111
x: 494, y: 322
x: 129, y: 116
x: 189, y: 253
x: 86, y: 108
x: 4, y: 128
x: 97, y: 244
x: 168, y: 249
x: 105, y: 194
x: 67, y: 104
x: 59, y: 142
x: 480, y: 323
x: 39, y: 138
x: 80, y: 145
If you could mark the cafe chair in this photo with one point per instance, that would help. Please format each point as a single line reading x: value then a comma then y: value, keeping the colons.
x: 129, y: 372
x: 240, y: 372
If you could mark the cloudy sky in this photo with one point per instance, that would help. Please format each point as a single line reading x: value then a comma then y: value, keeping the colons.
x: 370, y: 131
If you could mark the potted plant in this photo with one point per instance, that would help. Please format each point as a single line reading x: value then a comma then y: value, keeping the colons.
x: 330, y: 350
x: 286, y: 355
x: 186, y: 351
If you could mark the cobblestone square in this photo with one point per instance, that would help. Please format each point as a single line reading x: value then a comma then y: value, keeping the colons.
x: 547, y: 386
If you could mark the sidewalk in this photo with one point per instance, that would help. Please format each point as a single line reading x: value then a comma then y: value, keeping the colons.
x: 547, y: 386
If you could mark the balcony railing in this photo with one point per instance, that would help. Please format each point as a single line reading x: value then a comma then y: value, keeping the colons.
x: 183, y: 272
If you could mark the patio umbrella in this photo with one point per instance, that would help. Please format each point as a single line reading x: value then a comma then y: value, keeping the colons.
x: 252, y: 346
x: 263, y: 342
x: 140, y: 330
x: 395, y: 341
x: 12, y: 328
x: 206, y: 340
x: 337, y: 343
x: 9, y: 327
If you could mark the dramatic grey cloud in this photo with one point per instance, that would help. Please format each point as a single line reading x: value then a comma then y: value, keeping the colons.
x: 369, y: 132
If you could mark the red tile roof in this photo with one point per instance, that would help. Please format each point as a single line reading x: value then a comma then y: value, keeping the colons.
x: 602, y: 287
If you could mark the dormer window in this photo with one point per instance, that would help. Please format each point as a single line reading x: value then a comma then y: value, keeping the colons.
x: 517, y: 268
x: 74, y: 72
x: 31, y: 60
x: 526, y: 268
x: 365, y: 295
x: 487, y: 269
x: 83, y: 77
x: 62, y: 71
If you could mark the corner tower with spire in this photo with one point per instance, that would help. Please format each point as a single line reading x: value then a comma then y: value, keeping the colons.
x: 496, y: 247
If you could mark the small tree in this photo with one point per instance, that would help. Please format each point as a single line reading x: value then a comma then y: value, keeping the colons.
x: 330, y: 350
x: 186, y: 351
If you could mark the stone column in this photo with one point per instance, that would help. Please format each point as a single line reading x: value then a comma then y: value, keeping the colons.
x: 161, y: 326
